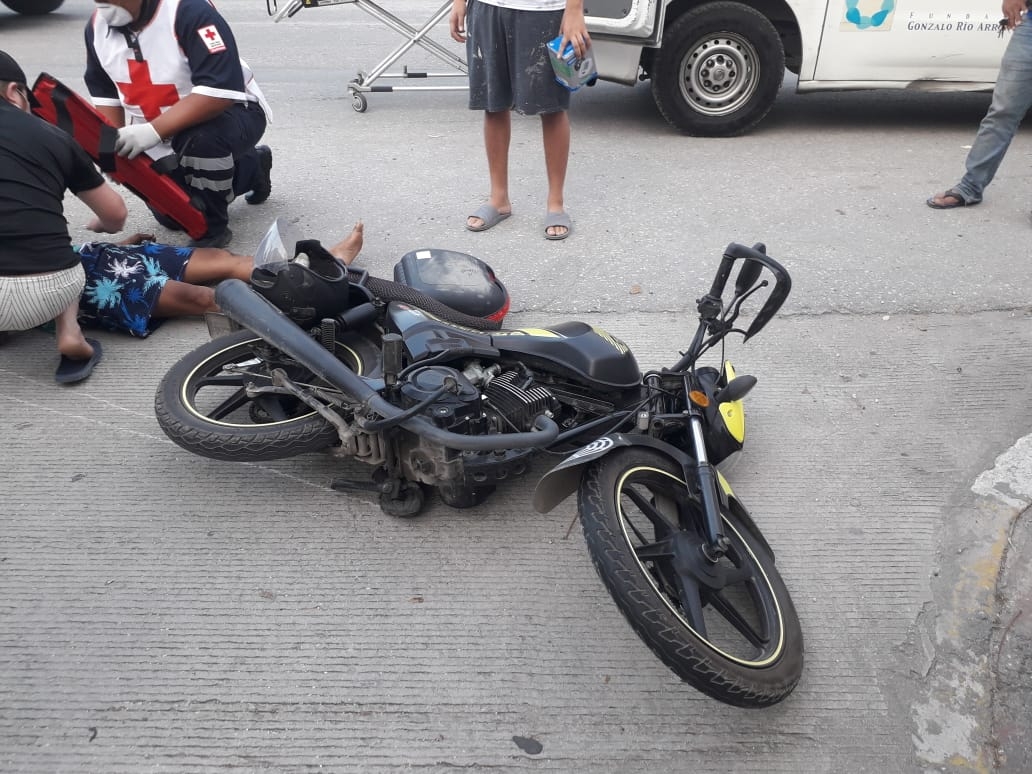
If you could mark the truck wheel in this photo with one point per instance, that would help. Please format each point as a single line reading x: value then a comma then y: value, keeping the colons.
x: 719, y: 70
x: 33, y: 7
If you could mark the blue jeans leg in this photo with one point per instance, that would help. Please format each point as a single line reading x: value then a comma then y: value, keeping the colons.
x: 1012, y: 98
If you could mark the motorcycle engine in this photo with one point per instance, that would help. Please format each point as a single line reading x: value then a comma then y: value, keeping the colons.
x: 457, y: 410
x: 483, y: 400
x: 516, y: 399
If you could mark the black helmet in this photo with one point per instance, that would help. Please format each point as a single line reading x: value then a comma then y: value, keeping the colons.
x: 305, y: 293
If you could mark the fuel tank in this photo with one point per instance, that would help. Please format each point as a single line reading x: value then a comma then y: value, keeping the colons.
x: 573, y: 349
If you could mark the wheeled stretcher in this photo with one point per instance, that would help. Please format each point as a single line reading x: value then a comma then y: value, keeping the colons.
x: 414, y: 36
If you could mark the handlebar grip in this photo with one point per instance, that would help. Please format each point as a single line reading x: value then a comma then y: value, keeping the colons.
x: 720, y: 281
x: 733, y: 253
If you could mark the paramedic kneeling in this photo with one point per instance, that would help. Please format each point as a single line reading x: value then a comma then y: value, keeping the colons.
x: 41, y: 277
x: 169, y: 74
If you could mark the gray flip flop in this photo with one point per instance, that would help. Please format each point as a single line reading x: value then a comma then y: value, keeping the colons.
x: 558, y: 219
x: 489, y: 215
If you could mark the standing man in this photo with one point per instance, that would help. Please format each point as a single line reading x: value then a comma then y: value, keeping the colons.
x: 1012, y: 98
x: 41, y: 277
x: 168, y: 73
x: 509, y: 69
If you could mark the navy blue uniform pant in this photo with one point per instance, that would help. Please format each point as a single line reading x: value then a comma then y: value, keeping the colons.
x: 218, y: 162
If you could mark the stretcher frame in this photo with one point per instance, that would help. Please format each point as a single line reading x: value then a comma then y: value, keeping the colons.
x: 364, y: 83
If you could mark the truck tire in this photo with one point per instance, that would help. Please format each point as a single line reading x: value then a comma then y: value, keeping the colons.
x: 33, y: 7
x: 719, y: 70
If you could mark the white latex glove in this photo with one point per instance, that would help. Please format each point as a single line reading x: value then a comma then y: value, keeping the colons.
x: 135, y: 139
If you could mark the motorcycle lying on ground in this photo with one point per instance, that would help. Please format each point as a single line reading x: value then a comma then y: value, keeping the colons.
x: 417, y: 378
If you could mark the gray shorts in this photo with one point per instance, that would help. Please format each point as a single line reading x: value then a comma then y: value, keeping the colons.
x: 509, y: 68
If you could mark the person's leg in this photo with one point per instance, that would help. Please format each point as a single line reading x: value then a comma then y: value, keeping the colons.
x: 536, y: 92
x: 181, y: 299
x: 70, y: 340
x: 214, y: 264
x: 555, y: 132
x: 31, y: 301
x: 497, y: 136
x: 490, y: 90
x: 218, y: 160
x: 253, y: 162
x: 349, y: 247
x: 1012, y: 99
x: 206, y: 165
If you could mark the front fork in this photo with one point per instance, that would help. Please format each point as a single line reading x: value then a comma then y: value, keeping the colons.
x: 716, y: 542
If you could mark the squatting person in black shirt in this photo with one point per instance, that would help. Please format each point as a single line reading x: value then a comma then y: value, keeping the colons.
x: 41, y: 276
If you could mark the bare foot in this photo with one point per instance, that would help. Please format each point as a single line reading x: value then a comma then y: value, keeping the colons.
x: 350, y: 246
x: 950, y: 199
x: 495, y: 212
x: 74, y: 347
x: 70, y: 340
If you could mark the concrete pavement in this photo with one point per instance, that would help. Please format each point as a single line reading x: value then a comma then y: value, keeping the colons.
x: 162, y: 612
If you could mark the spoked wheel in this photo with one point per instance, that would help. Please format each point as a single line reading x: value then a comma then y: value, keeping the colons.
x: 203, y: 404
x: 730, y: 628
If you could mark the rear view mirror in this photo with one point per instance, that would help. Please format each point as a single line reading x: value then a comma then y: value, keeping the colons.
x: 736, y: 389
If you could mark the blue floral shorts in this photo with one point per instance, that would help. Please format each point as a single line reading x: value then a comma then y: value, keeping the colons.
x: 123, y: 283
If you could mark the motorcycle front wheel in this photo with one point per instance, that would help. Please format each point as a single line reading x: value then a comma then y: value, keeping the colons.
x: 729, y: 629
x: 203, y: 405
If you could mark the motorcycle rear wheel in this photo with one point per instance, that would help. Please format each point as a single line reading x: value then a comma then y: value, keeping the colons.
x: 202, y: 404
x: 737, y: 639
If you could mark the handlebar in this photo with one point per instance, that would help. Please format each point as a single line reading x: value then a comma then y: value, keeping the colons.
x: 711, y: 306
x: 737, y: 252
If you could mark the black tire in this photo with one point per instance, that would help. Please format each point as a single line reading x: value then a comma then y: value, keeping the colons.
x: 33, y: 7
x: 718, y: 70
x: 202, y: 407
x: 686, y: 622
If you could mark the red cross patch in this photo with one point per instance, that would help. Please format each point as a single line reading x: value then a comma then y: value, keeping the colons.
x: 212, y: 39
x: 141, y: 91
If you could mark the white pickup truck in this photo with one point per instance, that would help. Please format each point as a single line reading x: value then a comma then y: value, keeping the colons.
x: 716, y: 65
x: 33, y: 7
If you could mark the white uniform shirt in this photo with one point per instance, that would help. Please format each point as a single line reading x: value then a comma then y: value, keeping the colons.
x: 187, y: 47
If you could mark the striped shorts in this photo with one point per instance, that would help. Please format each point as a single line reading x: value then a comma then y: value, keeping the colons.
x: 27, y: 301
